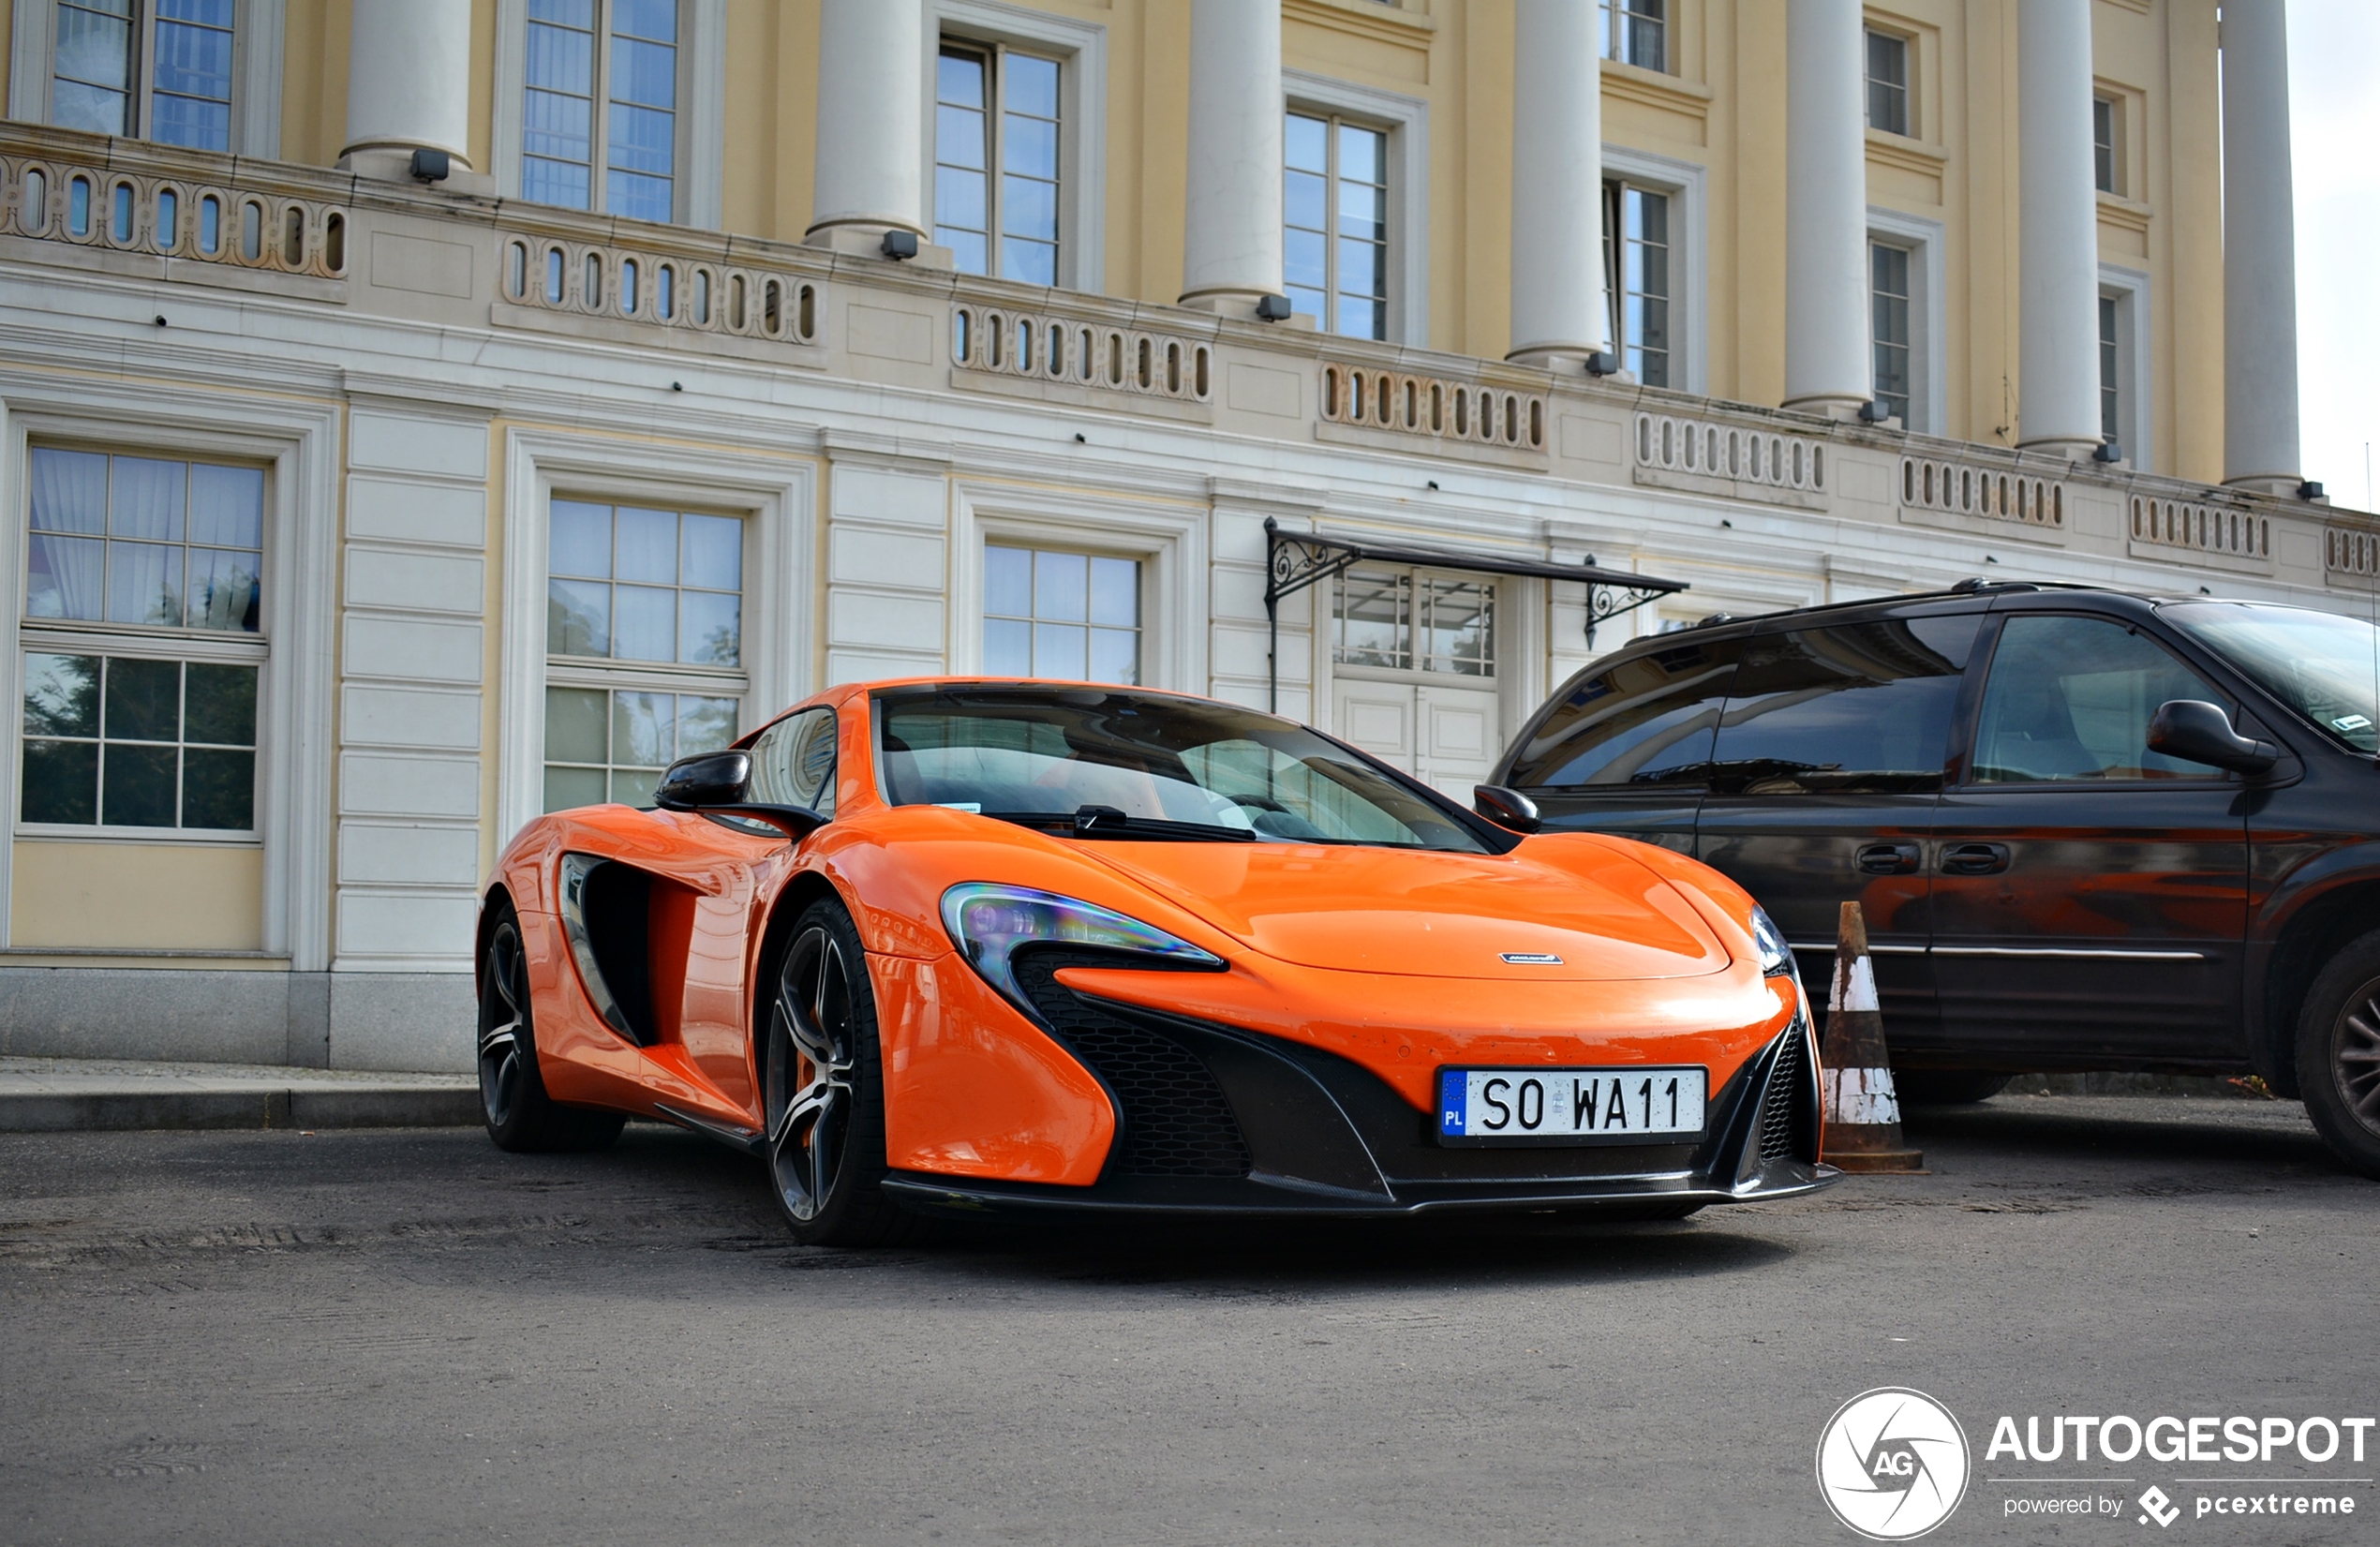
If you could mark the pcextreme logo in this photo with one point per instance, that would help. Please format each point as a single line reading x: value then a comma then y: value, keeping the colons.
x: 1891, y: 1463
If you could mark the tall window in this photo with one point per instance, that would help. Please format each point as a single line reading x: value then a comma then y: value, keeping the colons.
x: 1636, y: 32
x: 1887, y: 83
x: 143, y: 643
x: 1888, y: 294
x: 159, y: 70
x: 2104, y: 163
x: 996, y: 161
x: 644, y: 646
x: 1336, y: 221
x: 1636, y: 277
x: 598, y: 114
x: 1066, y: 615
x: 1412, y: 620
x: 2110, y: 388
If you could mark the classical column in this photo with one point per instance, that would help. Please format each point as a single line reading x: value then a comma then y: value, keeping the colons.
x: 1829, y: 364
x: 409, y: 84
x: 871, y: 110
x: 1558, y: 184
x: 1231, y: 245
x: 2259, y: 253
x: 2058, y: 215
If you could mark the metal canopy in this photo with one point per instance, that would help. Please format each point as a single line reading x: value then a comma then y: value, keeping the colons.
x: 1294, y: 560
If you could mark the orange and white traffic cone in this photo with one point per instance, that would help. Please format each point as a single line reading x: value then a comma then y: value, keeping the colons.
x: 1863, y: 1113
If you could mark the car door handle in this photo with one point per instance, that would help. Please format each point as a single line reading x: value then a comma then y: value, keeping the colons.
x: 1975, y: 859
x: 1888, y: 858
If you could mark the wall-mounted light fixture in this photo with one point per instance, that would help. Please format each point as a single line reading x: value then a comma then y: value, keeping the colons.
x: 2109, y: 451
x: 1273, y: 308
x: 432, y: 165
x: 1603, y: 363
x: 898, y: 245
x: 1875, y: 411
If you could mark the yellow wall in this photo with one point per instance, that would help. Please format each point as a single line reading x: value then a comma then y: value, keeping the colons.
x: 136, y: 895
x: 1723, y: 107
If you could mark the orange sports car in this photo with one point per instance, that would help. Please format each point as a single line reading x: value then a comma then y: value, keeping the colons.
x: 978, y: 945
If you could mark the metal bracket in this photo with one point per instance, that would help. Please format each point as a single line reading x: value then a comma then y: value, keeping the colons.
x: 1296, y: 561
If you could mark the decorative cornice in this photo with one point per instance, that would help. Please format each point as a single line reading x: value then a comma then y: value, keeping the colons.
x: 1906, y: 155
x: 2124, y: 214
x: 1366, y: 18
x: 1652, y: 89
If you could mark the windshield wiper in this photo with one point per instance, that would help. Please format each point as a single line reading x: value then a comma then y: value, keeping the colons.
x: 1108, y: 821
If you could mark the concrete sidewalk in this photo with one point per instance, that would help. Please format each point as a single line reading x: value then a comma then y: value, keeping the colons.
x: 65, y: 1094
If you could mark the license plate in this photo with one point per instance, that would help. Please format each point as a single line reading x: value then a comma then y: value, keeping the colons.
x: 1569, y: 1106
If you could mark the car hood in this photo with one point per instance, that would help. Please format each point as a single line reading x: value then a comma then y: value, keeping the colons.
x: 1603, y: 914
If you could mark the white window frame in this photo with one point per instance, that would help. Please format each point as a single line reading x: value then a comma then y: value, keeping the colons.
x: 1080, y: 49
x: 2129, y: 288
x: 257, y: 28
x: 2118, y: 110
x: 1169, y: 542
x: 298, y: 448
x: 1406, y: 120
x: 1685, y: 182
x: 1928, y: 310
x: 776, y: 498
x: 699, y: 191
x: 1910, y: 119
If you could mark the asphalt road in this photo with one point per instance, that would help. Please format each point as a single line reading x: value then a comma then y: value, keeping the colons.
x: 407, y: 1336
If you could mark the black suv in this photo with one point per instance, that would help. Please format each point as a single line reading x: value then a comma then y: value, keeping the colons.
x: 2089, y: 830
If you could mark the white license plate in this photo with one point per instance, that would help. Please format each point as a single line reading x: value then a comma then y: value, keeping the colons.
x: 1569, y: 1106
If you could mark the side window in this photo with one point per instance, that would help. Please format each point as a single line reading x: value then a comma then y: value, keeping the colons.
x: 1644, y: 720
x: 794, y: 762
x: 1858, y: 708
x: 2071, y: 698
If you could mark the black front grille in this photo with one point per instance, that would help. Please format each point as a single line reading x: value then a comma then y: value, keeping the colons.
x: 1174, y: 1119
x: 1781, y: 1116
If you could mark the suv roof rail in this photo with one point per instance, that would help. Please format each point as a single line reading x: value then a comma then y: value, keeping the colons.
x: 1975, y: 583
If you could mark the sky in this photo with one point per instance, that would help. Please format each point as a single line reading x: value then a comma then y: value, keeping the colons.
x: 2334, y: 133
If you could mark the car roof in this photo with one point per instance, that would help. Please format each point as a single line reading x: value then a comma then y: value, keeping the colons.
x: 1990, y: 592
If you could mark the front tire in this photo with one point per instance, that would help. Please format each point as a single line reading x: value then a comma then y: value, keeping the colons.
x: 2339, y: 1055
x: 823, y: 1083
x: 521, y: 1116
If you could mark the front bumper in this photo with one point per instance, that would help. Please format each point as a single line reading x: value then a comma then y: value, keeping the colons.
x: 1217, y: 1119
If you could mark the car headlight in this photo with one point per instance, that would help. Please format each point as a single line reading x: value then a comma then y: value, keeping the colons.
x: 1777, y: 956
x: 990, y: 923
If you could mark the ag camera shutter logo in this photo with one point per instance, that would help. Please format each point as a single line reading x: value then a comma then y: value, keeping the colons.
x: 1893, y: 1463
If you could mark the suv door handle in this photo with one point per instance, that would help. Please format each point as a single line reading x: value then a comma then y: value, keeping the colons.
x: 1888, y: 858
x: 1975, y: 859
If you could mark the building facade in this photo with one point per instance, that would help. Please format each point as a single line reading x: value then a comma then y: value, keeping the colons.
x: 416, y: 414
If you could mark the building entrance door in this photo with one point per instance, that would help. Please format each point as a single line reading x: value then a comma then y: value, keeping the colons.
x: 1413, y: 673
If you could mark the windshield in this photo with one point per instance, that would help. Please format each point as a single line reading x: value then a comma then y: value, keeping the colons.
x: 1042, y: 755
x: 2324, y: 667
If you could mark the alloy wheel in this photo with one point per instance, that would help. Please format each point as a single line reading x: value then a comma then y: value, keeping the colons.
x: 503, y: 1024
x: 2355, y: 1054
x: 810, y: 1050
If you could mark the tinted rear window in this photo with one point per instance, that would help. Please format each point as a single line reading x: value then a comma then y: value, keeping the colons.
x: 1856, y: 708
x: 1644, y: 720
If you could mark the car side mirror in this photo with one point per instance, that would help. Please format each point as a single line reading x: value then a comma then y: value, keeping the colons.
x: 715, y: 783
x: 706, y: 779
x: 1505, y: 808
x: 2199, y: 732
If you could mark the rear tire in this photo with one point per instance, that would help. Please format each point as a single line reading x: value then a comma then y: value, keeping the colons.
x: 1947, y: 1087
x: 2339, y: 1055
x: 822, y: 1080
x: 521, y: 1116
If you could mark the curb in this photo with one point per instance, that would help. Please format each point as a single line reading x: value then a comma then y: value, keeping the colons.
x: 94, y: 1112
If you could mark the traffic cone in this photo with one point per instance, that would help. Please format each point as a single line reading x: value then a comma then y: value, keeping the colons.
x: 1863, y: 1114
